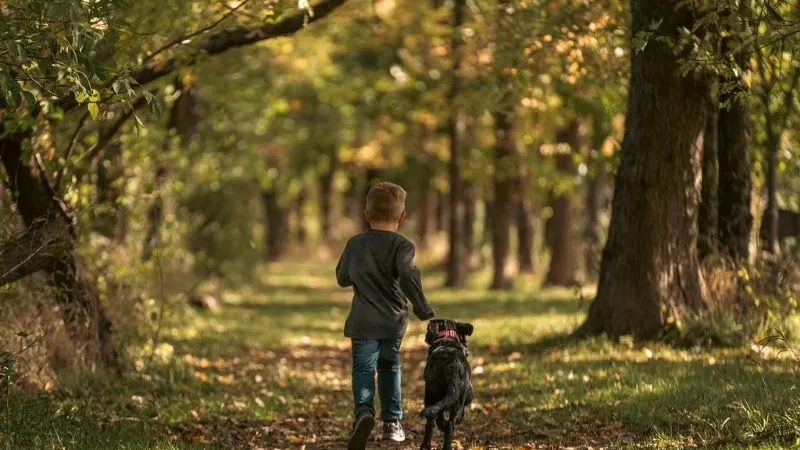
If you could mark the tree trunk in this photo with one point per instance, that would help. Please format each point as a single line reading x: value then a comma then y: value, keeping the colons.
x: 504, y: 168
x: 299, y: 214
x: 735, y: 219
x: 561, y: 227
x: 81, y: 309
x: 441, y: 211
x: 456, y: 265
x: 426, y: 212
x: 650, y: 273
x: 488, y: 220
x: 708, y: 213
x: 594, y: 186
x: 770, y: 222
x: 470, y: 214
x: 326, y: 191
x: 426, y: 194
x: 277, y: 225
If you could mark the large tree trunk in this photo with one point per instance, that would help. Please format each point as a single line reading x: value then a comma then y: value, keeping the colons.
x: 504, y: 168
x: 277, y: 225
x: 561, y: 227
x: 326, y: 190
x: 735, y: 219
x: 650, y: 272
x: 51, y: 226
x: 708, y: 213
x: 456, y: 264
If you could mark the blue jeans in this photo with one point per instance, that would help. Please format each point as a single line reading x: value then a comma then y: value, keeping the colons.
x: 383, y: 355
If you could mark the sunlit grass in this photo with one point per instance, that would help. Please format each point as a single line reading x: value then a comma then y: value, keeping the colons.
x: 272, y: 367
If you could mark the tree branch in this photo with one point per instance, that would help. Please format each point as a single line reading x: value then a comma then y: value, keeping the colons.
x: 223, y: 41
x: 109, y: 133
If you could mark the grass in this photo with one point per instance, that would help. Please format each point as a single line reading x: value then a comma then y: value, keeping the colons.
x: 271, y: 370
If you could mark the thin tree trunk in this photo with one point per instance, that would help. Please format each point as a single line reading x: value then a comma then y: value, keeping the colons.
x: 426, y: 195
x: 441, y: 211
x: 595, y: 182
x: 456, y: 265
x: 650, y: 273
x: 326, y: 191
x: 299, y: 211
x: 708, y: 213
x: 769, y: 221
x: 470, y: 214
x: 488, y: 220
x: 277, y: 225
x: 504, y: 152
x: 561, y: 228
x: 426, y: 212
x: 735, y: 220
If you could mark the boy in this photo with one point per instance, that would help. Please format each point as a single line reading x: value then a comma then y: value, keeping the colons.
x: 379, y: 264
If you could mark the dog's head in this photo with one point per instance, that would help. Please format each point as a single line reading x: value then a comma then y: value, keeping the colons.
x: 443, y: 328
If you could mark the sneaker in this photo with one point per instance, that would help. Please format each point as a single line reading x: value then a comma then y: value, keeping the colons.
x: 361, y: 431
x: 393, y: 430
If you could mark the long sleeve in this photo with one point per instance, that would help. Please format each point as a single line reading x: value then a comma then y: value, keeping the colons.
x: 411, y: 282
x: 342, y: 275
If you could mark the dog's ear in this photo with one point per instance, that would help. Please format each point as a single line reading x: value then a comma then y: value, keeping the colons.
x: 433, y: 331
x: 464, y: 329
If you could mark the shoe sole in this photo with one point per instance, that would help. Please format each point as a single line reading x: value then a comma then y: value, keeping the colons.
x: 395, y: 439
x: 358, y: 440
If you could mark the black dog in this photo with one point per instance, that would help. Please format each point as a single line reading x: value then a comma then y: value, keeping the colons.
x: 448, y: 387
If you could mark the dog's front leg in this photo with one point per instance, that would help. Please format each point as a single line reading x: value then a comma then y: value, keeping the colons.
x: 426, y: 440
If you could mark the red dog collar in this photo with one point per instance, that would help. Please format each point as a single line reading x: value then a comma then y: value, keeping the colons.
x: 450, y: 334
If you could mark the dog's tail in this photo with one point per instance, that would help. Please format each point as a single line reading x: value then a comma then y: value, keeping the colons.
x: 450, y: 399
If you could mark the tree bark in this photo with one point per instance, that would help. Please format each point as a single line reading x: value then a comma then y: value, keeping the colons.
x: 441, y: 211
x: 426, y: 212
x: 708, y: 213
x: 45, y: 217
x: 735, y: 219
x: 470, y: 205
x: 456, y: 265
x: 650, y: 272
x: 277, y: 225
x: 561, y: 227
x: 504, y: 168
x: 326, y: 190
x: 770, y: 222
x: 299, y: 206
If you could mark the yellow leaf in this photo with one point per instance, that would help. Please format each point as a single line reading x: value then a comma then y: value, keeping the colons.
x: 94, y: 110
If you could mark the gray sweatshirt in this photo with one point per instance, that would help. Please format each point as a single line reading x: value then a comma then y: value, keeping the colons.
x: 380, y: 267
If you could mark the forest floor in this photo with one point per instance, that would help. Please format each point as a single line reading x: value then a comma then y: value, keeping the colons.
x: 270, y: 370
